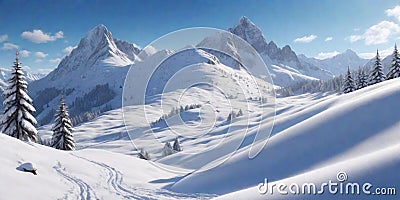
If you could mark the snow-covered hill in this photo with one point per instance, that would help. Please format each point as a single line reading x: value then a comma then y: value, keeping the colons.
x: 337, y: 64
x: 84, y: 174
x: 315, y: 136
x: 356, y: 133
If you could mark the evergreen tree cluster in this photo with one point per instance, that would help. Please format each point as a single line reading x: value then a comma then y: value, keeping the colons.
x: 376, y: 74
x: 98, y: 96
x: 351, y: 81
x: 232, y: 115
x: 175, y: 111
x: 168, y: 149
x: 18, y: 121
x: 143, y: 154
x: 312, y: 86
x: 89, y: 115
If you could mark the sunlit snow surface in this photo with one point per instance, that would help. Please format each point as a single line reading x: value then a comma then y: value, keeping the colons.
x: 315, y: 136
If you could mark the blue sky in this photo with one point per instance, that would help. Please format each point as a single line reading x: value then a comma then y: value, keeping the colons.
x: 43, y: 30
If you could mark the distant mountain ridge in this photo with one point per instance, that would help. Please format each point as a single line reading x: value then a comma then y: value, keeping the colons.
x: 337, y: 64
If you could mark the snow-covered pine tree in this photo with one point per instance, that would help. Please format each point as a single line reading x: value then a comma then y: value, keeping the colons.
x: 376, y: 75
x: 362, y: 79
x: 143, y: 154
x: 167, y: 150
x: 62, y: 129
x: 231, y: 116
x: 17, y: 120
x: 348, y: 85
x: 177, y: 146
x: 394, y: 70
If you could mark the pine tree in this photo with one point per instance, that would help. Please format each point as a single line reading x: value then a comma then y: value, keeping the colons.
x: 143, y: 154
x: 167, y: 150
x: 394, y: 70
x: 231, y: 116
x: 376, y: 75
x: 348, y: 85
x: 17, y: 120
x: 362, y: 79
x: 177, y: 146
x: 62, y: 129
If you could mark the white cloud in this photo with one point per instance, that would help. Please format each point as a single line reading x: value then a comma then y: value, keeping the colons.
x: 26, y: 68
x: 67, y: 50
x: 37, y: 36
x: 44, y: 71
x: 322, y: 55
x: 377, y: 34
x: 328, y: 39
x: 24, y: 53
x: 382, y: 53
x: 55, y: 60
x: 355, y: 38
x: 40, y: 54
x: 3, y: 38
x: 9, y: 46
x: 38, y: 60
x: 394, y: 12
x: 305, y: 39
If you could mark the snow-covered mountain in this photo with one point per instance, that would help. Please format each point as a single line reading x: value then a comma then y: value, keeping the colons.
x: 90, y: 77
x: 6, y: 72
x: 337, y: 64
x: 283, y: 63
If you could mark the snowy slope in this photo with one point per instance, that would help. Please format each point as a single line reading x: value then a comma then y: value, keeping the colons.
x: 386, y: 62
x: 340, y: 133
x: 86, y: 174
x: 315, y: 136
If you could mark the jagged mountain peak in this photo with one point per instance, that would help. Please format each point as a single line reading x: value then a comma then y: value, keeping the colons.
x: 97, y: 34
x: 96, y: 48
x: 248, y: 31
x: 272, y: 44
x: 245, y: 20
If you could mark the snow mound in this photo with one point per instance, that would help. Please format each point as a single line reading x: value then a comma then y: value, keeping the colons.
x: 350, y: 132
x: 86, y: 174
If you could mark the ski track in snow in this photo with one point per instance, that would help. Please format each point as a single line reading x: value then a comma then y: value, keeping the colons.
x: 85, y: 191
x: 115, y: 179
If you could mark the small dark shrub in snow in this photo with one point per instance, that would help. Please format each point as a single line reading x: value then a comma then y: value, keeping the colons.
x: 143, y: 154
